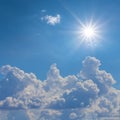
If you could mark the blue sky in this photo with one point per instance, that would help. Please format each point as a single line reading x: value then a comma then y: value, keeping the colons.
x: 30, y: 43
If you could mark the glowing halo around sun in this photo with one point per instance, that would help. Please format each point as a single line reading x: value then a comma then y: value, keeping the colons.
x: 89, y: 33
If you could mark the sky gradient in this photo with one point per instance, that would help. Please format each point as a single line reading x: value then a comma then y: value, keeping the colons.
x: 30, y: 43
x: 48, y: 71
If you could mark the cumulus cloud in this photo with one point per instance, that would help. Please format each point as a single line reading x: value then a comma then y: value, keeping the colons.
x: 90, y: 95
x: 51, y: 20
x: 73, y: 116
x: 19, y: 89
x: 91, y: 71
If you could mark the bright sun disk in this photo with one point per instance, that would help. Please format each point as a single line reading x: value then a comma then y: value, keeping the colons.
x: 89, y: 33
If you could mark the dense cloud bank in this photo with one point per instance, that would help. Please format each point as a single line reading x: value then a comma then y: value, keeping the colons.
x: 90, y: 94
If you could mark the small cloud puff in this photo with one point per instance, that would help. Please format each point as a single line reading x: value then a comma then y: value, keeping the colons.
x: 52, y: 20
x: 43, y: 10
x: 89, y: 96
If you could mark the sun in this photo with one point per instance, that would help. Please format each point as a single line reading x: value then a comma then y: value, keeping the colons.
x: 89, y: 33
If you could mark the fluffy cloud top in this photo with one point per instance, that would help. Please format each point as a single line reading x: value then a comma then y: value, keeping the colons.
x: 88, y: 96
x: 52, y: 20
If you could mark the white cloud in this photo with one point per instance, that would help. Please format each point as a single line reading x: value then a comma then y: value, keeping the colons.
x: 91, y: 71
x: 91, y: 95
x: 43, y: 10
x: 73, y: 116
x: 52, y: 20
x: 19, y: 89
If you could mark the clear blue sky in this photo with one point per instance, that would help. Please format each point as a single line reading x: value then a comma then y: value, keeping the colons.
x: 31, y: 44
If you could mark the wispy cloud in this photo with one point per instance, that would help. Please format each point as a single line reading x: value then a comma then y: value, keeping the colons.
x: 87, y: 96
x: 51, y: 20
x: 43, y: 10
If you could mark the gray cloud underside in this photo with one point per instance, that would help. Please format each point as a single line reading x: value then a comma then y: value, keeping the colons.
x: 88, y: 94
